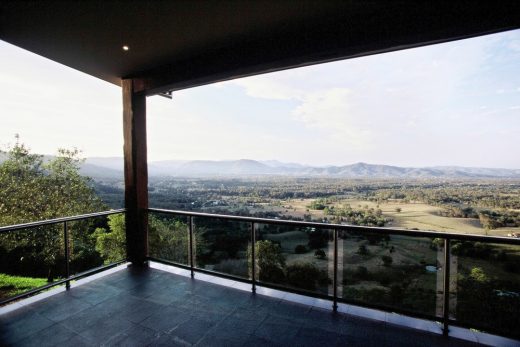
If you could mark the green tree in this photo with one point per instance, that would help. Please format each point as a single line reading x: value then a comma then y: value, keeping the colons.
x: 270, y: 262
x: 478, y: 275
x: 169, y: 239
x: 306, y: 276
x: 32, y: 189
x: 111, y: 244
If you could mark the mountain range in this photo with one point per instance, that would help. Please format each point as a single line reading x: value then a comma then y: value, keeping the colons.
x: 112, y: 168
x: 246, y: 167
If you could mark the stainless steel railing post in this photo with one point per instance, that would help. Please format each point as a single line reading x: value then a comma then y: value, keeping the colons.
x: 335, y: 269
x: 446, y: 304
x: 253, y: 257
x: 67, y: 254
x: 190, y: 223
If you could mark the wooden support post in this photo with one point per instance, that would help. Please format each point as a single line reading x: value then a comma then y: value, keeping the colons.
x: 136, y: 173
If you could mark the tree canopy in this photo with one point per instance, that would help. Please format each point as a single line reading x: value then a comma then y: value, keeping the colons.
x: 34, y: 188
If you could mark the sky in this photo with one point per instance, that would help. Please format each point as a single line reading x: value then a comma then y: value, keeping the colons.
x: 456, y: 103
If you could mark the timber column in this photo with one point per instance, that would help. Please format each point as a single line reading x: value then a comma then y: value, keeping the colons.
x: 136, y: 173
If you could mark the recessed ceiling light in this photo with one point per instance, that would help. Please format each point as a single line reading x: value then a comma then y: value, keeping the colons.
x: 126, y: 48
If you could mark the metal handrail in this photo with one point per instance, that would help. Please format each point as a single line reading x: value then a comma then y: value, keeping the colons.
x: 344, y: 227
x: 58, y: 220
x: 68, y: 277
x: 335, y: 228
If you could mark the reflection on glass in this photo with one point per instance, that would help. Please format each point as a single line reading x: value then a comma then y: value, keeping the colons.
x: 221, y: 245
x: 297, y: 257
x: 96, y: 241
x: 487, y: 294
x: 30, y: 258
x: 392, y: 271
x: 168, y: 238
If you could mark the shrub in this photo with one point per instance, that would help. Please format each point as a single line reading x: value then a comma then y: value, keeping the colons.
x: 270, y: 262
x: 272, y: 274
x: 306, y: 276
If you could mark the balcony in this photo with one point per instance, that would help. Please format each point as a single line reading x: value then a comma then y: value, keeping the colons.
x: 154, y: 307
x: 421, y: 279
x: 185, y: 298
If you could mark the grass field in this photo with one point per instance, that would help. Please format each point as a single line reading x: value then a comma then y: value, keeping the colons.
x: 419, y: 216
x: 13, y: 285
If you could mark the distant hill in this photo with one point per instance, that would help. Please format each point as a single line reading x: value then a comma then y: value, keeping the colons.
x: 112, y: 168
x: 207, y: 168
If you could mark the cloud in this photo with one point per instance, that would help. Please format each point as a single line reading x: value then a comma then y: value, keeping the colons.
x: 266, y: 87
x: 330, y: 110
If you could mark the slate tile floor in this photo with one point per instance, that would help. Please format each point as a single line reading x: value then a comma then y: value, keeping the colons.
x: 149, y: 307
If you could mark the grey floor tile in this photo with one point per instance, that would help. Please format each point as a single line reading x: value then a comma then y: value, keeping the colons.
x: 103, y: 330
x: 231, y: 326
x: 135, y: 336
x: 192, y: 330
x: 94, y: 293
x: 166, y: 319
x: 166, y: 340
x: 54, y: 335
x: 60, y: 306
x: 316, y: 337
x: 216, y: 339
x: 255, y: 341
x: 86, y: 318
x: 278, y: 331
x: 154, y: 308
x: 22, y: 325
x: 79, y: 341
x: 139, y: 310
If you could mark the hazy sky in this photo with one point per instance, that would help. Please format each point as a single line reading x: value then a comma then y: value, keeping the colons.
x: 448, y: 104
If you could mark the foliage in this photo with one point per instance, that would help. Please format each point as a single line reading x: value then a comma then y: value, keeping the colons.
x: 366, y: 216
x: 111, y: 244
x: 32, y: 189
x: 477, y: 274
x: 318, y: 204
x: 486, y: 300
x: 472, y: 249
x: 270, y: 262
x: 306, y: 276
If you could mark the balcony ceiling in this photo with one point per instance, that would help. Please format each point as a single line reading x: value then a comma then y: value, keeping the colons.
x: 178, y: 44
